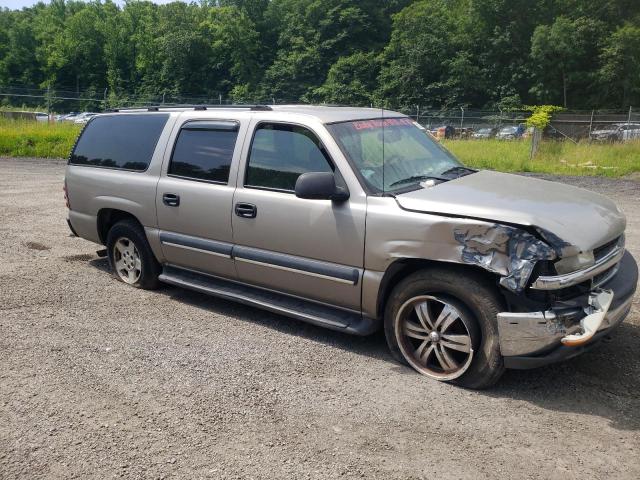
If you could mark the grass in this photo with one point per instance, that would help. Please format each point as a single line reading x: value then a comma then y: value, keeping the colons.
x: 22, y: 138
x: 560, y: 158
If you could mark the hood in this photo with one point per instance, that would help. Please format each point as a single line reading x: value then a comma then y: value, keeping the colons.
x: 576, y: 216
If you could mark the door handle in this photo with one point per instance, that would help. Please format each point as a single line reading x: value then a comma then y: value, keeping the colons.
x: 171, y: 199
x: 246, y: 210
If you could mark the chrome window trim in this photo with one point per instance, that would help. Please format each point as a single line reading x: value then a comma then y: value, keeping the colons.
x: 556, y: 282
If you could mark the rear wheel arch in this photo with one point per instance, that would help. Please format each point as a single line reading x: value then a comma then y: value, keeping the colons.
x: 108, y: 217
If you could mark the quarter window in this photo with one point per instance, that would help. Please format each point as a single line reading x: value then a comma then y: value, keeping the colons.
x: 204, y: 150
x: 281, y: 153
x: 124, y: 141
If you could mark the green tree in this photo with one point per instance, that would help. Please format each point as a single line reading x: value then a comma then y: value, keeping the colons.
x: 415, y: 62
x: 563, y: 55
x: 620, y: 70
x: 351, y: 81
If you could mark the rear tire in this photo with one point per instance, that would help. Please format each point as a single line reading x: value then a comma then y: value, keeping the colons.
x: 443, y: 323
x: 131, y: 259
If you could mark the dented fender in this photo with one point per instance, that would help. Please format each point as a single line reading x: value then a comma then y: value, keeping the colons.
x: 396, y: 234
x: 508, y: 251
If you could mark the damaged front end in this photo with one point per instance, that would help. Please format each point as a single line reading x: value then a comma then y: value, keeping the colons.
x: 552, y: 316
x: 508, y: 251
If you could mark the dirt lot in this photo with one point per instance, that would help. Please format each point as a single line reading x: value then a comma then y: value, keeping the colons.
x: 99, y: 380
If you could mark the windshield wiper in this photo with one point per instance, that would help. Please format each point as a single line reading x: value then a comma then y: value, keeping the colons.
x: 417, y: 178
x: 461, y: 170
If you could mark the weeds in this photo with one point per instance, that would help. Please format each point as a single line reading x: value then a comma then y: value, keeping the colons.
x: 19, y: 138
x: 23, y: 138
x: 562, y: 158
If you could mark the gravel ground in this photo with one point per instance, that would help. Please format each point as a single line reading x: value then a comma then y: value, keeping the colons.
x: 100, y: 380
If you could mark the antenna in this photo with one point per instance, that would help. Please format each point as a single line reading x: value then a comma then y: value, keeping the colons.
x: 383, y: 142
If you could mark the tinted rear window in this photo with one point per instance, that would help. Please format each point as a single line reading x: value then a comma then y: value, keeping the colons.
x: 204, y: 151
x: 119, y: 141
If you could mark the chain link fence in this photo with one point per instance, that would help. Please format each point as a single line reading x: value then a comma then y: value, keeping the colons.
x: 597, y: 125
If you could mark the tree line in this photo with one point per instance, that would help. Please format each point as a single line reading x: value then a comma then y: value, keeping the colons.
x: 438, y: 54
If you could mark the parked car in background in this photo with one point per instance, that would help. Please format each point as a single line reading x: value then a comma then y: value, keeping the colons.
x: 618, y: 132
x: 84, y: 117
x: 463, y: 132
x: 512, y: 132
x: 66, y: 117
x: 485, y: 133
x: 444, y: 131
x: 345, y: 219
x: 42, y: 117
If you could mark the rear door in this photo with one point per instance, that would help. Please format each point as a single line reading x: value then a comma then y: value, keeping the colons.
x: 195, y: 193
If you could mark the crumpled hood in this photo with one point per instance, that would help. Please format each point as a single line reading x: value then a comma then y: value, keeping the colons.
x: 576, y: 216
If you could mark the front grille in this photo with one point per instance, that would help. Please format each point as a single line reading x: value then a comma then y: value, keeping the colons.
x: 605, y: 276
x: 601, y: 252
x: 607, y: 248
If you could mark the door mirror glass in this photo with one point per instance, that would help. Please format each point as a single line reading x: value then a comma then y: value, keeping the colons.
x: 320, y: 186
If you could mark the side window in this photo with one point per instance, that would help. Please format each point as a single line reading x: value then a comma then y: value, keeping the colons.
x: 124, y: 141
x: 281, y: 153
x: 203, y: 151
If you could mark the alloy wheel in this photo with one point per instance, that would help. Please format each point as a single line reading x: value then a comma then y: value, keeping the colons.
x: 434, y: 337
x: 126, y: 260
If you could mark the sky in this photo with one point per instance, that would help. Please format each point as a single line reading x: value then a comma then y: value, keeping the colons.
x: 17, y: 4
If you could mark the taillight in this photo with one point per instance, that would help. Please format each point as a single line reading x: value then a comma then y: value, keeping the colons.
x: 66, y: 194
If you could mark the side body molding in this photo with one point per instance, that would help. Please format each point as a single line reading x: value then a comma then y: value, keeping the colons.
x: 280, y: 261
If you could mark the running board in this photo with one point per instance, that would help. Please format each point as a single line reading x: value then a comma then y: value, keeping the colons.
x: 307, y: 311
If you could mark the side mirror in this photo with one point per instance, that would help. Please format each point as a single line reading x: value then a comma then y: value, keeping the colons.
x: 320, y: 186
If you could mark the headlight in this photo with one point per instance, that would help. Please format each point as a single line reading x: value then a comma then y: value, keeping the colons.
x: 575, y: 263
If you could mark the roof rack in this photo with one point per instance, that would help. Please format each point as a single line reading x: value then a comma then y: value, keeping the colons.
x: 157, y: 108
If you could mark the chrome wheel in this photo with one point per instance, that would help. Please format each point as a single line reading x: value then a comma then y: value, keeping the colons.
x: 434, y: 337
x: 126, y: 260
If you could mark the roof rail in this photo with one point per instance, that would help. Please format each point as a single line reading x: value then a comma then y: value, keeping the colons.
x: 157, y: 108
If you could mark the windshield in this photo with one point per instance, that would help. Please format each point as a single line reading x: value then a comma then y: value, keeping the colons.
x: 509, y: 129
x: 410, y: 154
x: 484, y: 130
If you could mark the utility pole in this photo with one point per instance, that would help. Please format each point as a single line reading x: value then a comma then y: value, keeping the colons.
x: 49, y: 102
x: 462, y: 117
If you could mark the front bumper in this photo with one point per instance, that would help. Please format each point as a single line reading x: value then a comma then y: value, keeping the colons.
x: 529, y: 340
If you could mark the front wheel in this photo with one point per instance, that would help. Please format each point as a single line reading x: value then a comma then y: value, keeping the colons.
x: 442, y: 322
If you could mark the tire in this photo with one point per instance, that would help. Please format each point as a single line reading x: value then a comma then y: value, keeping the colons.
x: 129, y: 251
x: 464, y: 347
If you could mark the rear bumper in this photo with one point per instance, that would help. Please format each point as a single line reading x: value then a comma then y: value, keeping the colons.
x: 535, y: 339
x: 73, y: 232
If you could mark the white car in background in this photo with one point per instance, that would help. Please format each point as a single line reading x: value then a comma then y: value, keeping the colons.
x: 618, y: 132
x: 83, y: 117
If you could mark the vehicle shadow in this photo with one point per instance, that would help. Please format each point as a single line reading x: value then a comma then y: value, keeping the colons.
x: 604, y: 382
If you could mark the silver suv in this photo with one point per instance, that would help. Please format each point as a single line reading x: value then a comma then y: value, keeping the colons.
x: 354, y: 219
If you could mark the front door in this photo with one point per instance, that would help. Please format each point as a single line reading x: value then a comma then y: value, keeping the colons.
x: 194, y: 198
x: 307, y: 248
